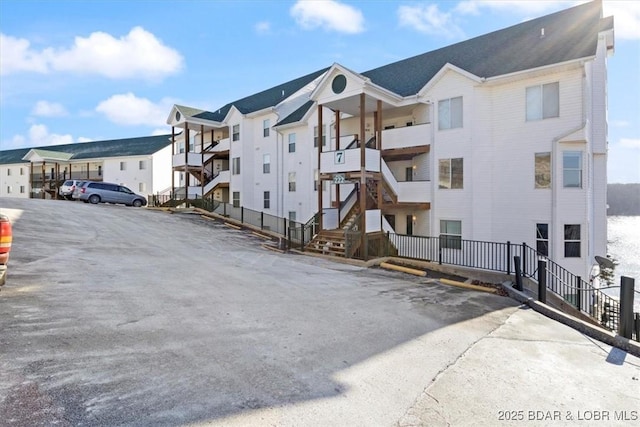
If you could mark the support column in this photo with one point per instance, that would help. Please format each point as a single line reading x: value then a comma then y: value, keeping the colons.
x: 202, y: 177
x: 319, y: 175
x: 378, y: 134
x: 363, y: 179
x: 173, y: 153
x: 186, y: 160
x: 337, y: 118
x: 42, y: 192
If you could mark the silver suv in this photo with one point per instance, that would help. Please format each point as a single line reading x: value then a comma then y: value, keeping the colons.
x: 106, y: 192
x: 67, y: 188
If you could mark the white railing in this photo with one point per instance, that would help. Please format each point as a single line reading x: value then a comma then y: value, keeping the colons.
x: 193, y: 159
x: 222, y: 178
x: 414, y: 191
x: 223, y: 145
x: 349, y: 161
x: 373, y: 218
x: 409, y: 136
x: 390, y: 178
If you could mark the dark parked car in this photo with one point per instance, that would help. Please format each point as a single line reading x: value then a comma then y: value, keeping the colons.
x: 106, y: 192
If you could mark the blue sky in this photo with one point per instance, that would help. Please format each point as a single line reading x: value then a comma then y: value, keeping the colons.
x: 77, y: 71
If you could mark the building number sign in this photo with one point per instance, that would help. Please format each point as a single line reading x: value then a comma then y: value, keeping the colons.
x: 339, y: 178
x: 339, y: 157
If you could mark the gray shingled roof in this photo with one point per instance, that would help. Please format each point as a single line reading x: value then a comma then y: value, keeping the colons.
x: 297, y: 115
x: 97, y: 149
x: 261, y: 100
x: 569, y: 34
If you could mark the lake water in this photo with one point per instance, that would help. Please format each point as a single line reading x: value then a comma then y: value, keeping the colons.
x: 624, y: 247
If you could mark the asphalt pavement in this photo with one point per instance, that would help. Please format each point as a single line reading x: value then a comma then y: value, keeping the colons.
x: 114, y: 315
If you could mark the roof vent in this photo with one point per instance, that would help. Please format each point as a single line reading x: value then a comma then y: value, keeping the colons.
x: 542, y: 32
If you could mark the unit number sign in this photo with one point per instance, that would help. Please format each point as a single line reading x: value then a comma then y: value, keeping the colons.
x: 339, y: 157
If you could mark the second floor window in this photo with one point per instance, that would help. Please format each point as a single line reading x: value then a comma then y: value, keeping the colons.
x: 236, y: 133
x: 572, y: 169
x: 543, y: 101
x: 123, y: 166
x: 292, y: 181
x: 266, y: 163
x: 315, y: 137
x: 265, y: 127
x: 450, y: 173
x: 543, y: 170
x: 235, y: 167
x: 142, y: 164
x: 292, y: 142
x: 450, y: 113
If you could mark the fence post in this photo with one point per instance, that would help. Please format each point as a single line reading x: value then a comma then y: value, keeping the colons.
x: 241, y: 214
x: 302, y: 237
x: 625, y: 326
x: 516, y: 264
x: 579, y: 293
x: 508, y: 258
x: 388, y: 245
x: 542, y: 281
x: 440, y: 250
x: 224, y: 209
x: 524, y: 259
x: 261, y: 220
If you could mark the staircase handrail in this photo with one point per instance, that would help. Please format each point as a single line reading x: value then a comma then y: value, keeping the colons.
x: 390, y: 179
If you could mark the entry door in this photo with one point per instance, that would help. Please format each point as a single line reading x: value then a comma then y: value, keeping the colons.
x: 409, y: 225
x: 408, y: 174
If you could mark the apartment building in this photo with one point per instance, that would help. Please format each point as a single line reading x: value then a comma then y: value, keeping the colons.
x: 502, y: 137
x: 142, y: 164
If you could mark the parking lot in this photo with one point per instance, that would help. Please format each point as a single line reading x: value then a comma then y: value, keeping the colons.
x: 115, y: 315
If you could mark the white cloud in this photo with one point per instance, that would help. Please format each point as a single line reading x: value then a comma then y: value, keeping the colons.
x: 49, y: 109
x: 129, y: 110
x: 330, y: 15
x: 138, y: 54
x: 429, y: 19
x: 533, y: 7
x: 16, y: 55
x: 263, y: 27
x: 37, y: 136
x: 626, y: 18
x: 629, y: 143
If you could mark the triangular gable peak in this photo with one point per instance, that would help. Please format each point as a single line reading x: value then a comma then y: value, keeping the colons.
x: 448, y: 67
x: 340, y: 89
x: 36, y: 155
x: 180, y: 116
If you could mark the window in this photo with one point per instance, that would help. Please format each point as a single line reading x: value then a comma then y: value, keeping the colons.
x: 316, y: 180
x: 543, y: 101
x: 236, y: 199
x: 142, y: 186
x: 266, y: 163
x: 142, y: 164
x: 236, y: 133
x: 267, y: 201
x: 235, y: 166
x: 292, y: 142
x: 572, y: 169
x: 99, y: 170
x: 542, y: 239
x: 292, y: 181
x: 315, y: 137
x: 22, y: 171
x: 181, y: 147
x: 265, y: 128
x: 123, y: 166
x: 292, y: 215
x: 450, y: 113
x: 543, y: 170
x: 450, y: 173
x: 22, y: 190
x: 450, y: 234
x: 8, y: 189
x: 8, y: 172
x: 572, y: 241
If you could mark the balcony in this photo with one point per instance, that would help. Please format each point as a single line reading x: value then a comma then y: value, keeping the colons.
x: 349, y: 161
x: 408, y: 136
x: 414, y: 192
x: 193, y: 160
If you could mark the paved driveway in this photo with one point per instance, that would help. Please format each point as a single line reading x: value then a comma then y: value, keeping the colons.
x: 123, y: 316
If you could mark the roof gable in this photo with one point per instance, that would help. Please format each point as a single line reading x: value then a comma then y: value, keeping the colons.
x: 568, y: 35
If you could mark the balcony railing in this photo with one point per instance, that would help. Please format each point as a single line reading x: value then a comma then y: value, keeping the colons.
x: 349, y: 161
x: 409, y: 136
